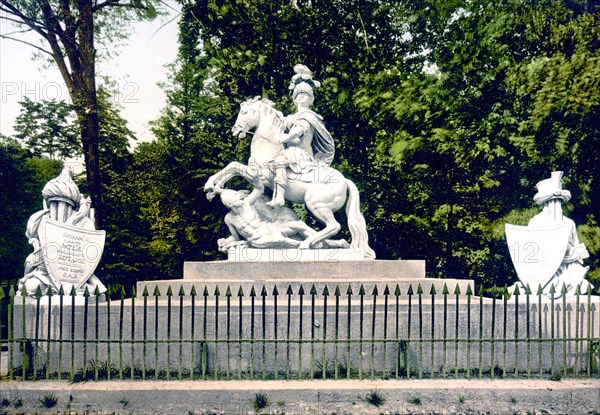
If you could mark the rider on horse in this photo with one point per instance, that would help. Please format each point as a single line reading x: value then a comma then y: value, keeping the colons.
x: 308, y: 143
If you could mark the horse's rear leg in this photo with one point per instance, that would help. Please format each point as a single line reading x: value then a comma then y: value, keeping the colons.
x: 332, y: 227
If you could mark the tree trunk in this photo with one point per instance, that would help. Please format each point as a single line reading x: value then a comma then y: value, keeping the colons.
x: 87, y: 106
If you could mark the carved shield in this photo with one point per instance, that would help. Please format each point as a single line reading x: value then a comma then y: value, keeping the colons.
x: 70, y: 254
x: 537, y: 252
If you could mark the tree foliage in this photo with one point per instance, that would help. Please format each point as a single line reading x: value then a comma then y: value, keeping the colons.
x: 22, y: 178
x: 47, y: 128
x: 70, y: 30
x: 445, y: 113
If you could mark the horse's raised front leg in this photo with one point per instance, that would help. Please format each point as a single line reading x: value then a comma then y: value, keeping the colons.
x: 220, y: 178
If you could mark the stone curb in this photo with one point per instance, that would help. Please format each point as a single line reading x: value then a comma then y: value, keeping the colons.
x: 304, y: 397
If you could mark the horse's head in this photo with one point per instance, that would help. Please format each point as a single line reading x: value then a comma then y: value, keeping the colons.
x: 248, y: 117
x: 250, y: 114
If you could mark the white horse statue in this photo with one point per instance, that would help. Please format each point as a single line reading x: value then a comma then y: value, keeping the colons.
x: 324, y: 190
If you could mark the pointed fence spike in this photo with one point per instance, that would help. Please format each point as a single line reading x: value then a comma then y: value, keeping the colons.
x: 240, y: 292
x: 419, y: 289
x: 228, y: 291
x: 193, y: 292
x: 349, y: 290
x: 289, y: 290
x: 145, y: 292
x: 361, y: 291
x: 578, y: 289
x: 445, y: 290
x: 275, y: 291
x: 263, y: 292
x: 410, y: 290
x: 527, y: 290
x: 397, y: 291
x: 301, y: 290
x: 313, y: 290
x: 375, y: 290
x: 517, y: 292
x: 133, y: 292
x: 169, y: 291
x: 181, y: 291
x: 61, y: 290
x: 557, y: 308
x: 73, y: 293
x: 96, y: 291
x: 11, y: 292
x: 539, y: 291
x: 2, y: 295
x: 593, y: 307
x: 552, y: 289
x: 50, y: 292
x: 86, y: 292
x: 205, y: 291
x: 457, y: 290
x: 252, y: 292
x: 337, y: 292
x: 564, y: 289
x: 217, y: 291
x: 386, y: 290
x: 582, y: 308
x: 569, y: 308
x: 38, y: 292
x: 325, y: 291
x: 433, y: 291
x: 589, y: 290
x: 156, y: 292
x: 469, y: 290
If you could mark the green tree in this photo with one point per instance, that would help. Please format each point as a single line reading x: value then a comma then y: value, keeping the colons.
x: 244, y: 49
x: 47, y: 127
x: 22, y: 178
x: 70, y: 31
x: 470, y: 138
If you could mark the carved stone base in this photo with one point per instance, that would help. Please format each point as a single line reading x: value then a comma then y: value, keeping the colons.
x: 294, y: 274
x: 244, y: 254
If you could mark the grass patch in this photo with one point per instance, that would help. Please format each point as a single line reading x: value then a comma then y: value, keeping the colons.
x: 261, y: 401
x: 375, y: 398
x: 415, y: 400
x: 48, y: 401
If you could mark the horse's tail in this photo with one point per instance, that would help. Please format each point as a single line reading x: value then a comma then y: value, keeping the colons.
x: 357, y: 223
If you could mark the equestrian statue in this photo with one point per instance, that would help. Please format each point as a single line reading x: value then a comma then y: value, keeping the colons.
x: 292, y: 157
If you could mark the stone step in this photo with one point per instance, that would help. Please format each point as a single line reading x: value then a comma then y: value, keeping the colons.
x: 361, y: 270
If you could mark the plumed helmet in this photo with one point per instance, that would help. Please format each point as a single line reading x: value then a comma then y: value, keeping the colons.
x: 62, y: 189
x: 551, y: 188
x: 303, y: 81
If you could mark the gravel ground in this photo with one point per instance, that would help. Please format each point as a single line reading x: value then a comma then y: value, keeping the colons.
x: 577, y: 397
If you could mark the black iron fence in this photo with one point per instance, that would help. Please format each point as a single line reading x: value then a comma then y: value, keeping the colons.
x: 268, y: 333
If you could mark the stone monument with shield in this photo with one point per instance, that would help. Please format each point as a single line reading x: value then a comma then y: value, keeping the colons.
x: 66, y: 246
x: 547, y: 253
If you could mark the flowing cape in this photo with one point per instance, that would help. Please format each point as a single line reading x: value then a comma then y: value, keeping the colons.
x: 322, y: 144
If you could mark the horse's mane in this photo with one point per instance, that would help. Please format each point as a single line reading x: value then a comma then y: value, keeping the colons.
x: 268, y: 108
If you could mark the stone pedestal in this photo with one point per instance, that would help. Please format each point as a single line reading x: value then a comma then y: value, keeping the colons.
x: 330, y: 272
